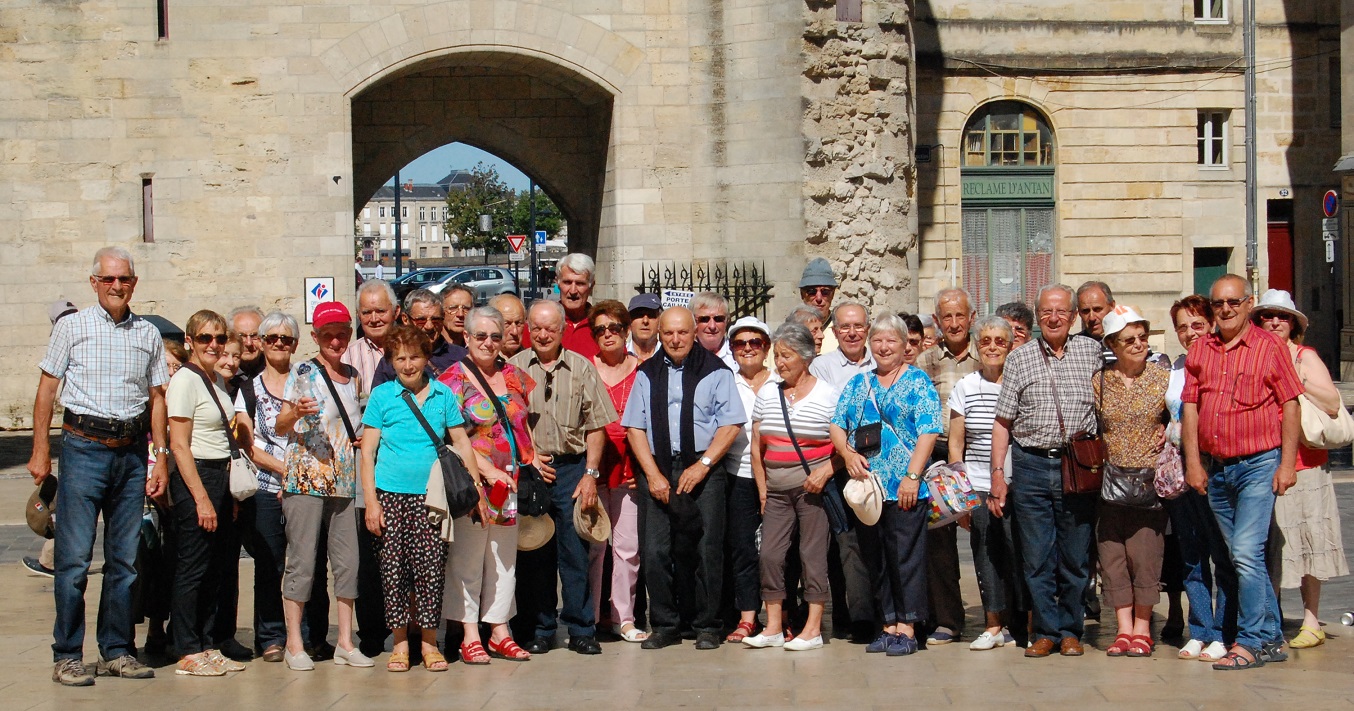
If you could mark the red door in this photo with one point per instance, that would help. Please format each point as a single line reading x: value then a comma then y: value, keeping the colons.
x: 1281, y: 256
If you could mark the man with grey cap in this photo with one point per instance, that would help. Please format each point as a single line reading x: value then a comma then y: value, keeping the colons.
x: 644, y: 311
x: 817, y: 287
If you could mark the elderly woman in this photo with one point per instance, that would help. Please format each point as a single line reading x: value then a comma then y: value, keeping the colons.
x: 320, y: 482
x: 896, y: 406
x: 751, y: 341
x: 482, y: 569
x: 1204, y: 559
x: 1130, y: 397
x: 973, y: 407
x: 397, y: 456
x: 203, y: 511
x: 610, y: 323
x: 791, y: 462
x: 260, y: 521
x: 1310, y: 547
x: 809, y: 318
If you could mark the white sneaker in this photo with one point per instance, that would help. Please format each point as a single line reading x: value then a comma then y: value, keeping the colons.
x: 1213, y: 652
x: 758, y: 641
x: 298, y: 662
x: 1191, y: 650
x: 799, y: 644
x: 986, y: 641
x: 354, y: 658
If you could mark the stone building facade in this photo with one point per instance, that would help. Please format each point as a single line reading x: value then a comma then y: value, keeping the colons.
x: 232, y: 144
x: 423, y: 216
x: 1071, y: 141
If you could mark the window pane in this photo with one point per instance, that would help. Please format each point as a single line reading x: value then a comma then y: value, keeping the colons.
x: 974, y: 244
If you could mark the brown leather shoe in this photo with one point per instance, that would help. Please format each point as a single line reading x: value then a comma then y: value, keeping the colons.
x: 1039, y: 648
x: 1071, y: 647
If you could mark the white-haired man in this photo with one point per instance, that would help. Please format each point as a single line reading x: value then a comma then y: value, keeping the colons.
x: 576, y: 276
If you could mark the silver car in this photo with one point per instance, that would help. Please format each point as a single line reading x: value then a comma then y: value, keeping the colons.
x: 486, y: 282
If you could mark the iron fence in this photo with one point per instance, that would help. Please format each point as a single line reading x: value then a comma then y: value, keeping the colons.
x: 744, y: 284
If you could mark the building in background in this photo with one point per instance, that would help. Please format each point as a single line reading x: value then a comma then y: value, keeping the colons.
x: 423, y: 216
x: 1344, y: 173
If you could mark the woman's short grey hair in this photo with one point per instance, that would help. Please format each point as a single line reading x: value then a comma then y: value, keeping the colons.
x: 797, y: 338
x: 890, y: 322
x: 116, y: 252
x: 706, y: 299
x: 992, y: 323
x: 421, y: 296
x: 578, y: 263
x: 804, y: 315
x: 380, y: 285
x: 485, y: 312
x: 278, y: 319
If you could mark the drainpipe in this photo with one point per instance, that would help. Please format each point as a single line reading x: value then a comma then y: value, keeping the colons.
x: 1252, y: 200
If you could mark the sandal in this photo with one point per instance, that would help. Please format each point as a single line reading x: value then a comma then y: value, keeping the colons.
x: 473, y: 653
x: 1238, y: 661
x: 433, y: 661
x: 508, y: 649
x: 1141, y: 646
x: 1308, y: 637
x: 630, y: 633
x: 744, y: 629
x: 398, y: 662
x: 1120, y: 646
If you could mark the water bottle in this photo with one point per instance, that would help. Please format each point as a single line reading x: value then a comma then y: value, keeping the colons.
x: 1347, y: 619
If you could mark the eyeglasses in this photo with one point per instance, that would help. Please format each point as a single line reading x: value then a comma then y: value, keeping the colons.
x: 1050, y: 313
x: 643, y: 313
x: 273, y: 339
x: 999, y: 342
x: 707, y: 319
x: 482, y: 336
x: 1272, y: 316
x: 851, y: 327
x: 549, y: 384
x: 458, y: 309
x: 421, y: 321
x: 1234, y: 303
x: 108, y: 280
x: 203, y: 339
x: 615, y: 328
x: 818, y: 290
x: 1131, y: 340
x: 755, y: 343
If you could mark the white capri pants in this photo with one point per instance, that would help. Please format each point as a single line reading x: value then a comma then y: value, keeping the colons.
x: 481, y: 573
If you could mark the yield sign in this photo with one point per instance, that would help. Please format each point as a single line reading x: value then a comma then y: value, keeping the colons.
x: 516, y: 242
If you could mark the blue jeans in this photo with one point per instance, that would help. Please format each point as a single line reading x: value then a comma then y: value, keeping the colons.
x: 1055, y: 532
x: 570, y: 559
x: 1242, y: 497
x: 1208, y: 572
x: 96, y: 479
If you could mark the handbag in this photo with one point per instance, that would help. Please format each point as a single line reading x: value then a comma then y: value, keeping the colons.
x: 952, y: 493
x: 1170, y: 474
x: 244, y: 476
x: 1321, y: 431
x: 1129, y: 486
x: 533, y: 494
x: 833, y: 503
x: 1084, y: 457
x: 462, y: 495
x: 868, y: 440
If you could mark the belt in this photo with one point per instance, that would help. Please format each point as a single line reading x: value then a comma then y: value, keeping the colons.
x: 1055, y: 453
x: 556, y: 459
x: 113, y: 433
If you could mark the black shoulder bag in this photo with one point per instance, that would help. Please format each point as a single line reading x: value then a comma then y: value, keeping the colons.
x: 868, y: 440
x: 338, y: 403
x: 833, y: 503
x: 462, y: 495
x: 533, y: 494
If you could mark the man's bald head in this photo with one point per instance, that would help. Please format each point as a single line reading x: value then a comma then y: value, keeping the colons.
x: 677, y: 331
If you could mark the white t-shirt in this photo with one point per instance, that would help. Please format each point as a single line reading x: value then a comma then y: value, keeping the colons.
x: 975, y: 398
x: 187, y: 397
x: 740, y: 450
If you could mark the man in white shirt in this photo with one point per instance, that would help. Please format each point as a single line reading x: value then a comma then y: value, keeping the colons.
x: 851, y: 327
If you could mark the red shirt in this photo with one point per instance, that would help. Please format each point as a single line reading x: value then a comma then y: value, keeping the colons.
x: 578, y: 338
x: 1240, y: 392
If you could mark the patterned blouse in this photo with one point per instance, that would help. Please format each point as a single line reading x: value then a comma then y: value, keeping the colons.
x: 910, y: 407
x: 320, y: 458
x: 486, y: 432
x: 1131, y: 414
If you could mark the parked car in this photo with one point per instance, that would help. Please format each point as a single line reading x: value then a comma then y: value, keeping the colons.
x: 486, y: 282
x: 420, y: 278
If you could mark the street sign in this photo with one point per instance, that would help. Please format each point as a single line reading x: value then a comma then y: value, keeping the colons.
x: 516, y: 242
x: 1330, y: 252
x: 1330, y: 224
x: 1329, y: 236
x: 1330, y: 204
x: 677, y: 297
x: 516, y: 256
x: 540, y: 240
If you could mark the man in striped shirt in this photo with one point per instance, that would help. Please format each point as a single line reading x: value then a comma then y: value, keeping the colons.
x: 1241, y: 409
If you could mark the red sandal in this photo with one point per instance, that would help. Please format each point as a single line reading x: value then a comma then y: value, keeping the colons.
x: 1141, y: 647
x: 744, y: 629
x: 1121, y: 645
x: 508, y: 649
x: 473, y: 653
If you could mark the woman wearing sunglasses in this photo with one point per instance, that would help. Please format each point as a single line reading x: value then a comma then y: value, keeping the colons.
x: 751, y: 341
x: 200, y: 491
x: 610, y: 324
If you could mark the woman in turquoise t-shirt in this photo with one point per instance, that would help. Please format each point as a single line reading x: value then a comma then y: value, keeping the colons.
x: 397, y: 455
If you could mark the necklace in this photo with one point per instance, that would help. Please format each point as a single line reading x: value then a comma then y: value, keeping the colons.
x: 794, y: 393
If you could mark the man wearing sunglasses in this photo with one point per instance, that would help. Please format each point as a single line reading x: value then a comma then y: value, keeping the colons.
x: 1241, y: 409
x: 114, y: 366
x: 817, y: 288
x: 424, y: 310
x: 711, y: 311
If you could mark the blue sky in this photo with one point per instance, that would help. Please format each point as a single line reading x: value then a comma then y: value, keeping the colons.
x: 435, y: 164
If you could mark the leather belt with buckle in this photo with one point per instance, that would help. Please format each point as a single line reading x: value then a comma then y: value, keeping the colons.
x: 1055, y: 453
x: 105, y: 431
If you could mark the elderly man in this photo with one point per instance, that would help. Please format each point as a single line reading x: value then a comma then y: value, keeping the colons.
x: 423, y: 310
x: 1045, y: 398
x: 568, y: 409
x: 951, y: 359
x: 1094, y: 300
x: 515, y: 337
x: 245, y: 321
x: 457, y: 301
x: 113, y: 365
x: 576, y: 275
x: 1021, y: 319
x: 683, y: 414
x: 377, y: 311
x: 711, y: 311
x: 1241, y: 409
x: 644, y: 311
x: 817, y: 288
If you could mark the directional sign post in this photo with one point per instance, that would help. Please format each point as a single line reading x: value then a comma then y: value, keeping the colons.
x: 516, y: 254
x: 540, y: 240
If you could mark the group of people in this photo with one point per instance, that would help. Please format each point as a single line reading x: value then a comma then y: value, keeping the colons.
x: 682, y: 471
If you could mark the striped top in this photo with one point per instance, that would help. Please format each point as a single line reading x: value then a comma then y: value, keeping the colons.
x: 1240, y: 392
x: 810, y: 418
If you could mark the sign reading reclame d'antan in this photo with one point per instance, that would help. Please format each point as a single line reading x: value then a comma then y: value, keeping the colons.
x: 1008, y: 188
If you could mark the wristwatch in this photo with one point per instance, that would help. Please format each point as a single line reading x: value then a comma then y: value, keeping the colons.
x: 913, y: 477
x: 161, y: 451
x: 594, y: 473
x: 708, y: 462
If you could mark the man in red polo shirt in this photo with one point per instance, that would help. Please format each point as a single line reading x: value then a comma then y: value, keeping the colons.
x: 1241, y: 410
x: 576, y: 275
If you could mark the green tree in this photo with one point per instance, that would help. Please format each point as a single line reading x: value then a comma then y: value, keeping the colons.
x: 548, y: 216
x: 486, y: 194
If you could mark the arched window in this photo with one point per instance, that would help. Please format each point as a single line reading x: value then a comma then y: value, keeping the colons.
x: 1007, y: 134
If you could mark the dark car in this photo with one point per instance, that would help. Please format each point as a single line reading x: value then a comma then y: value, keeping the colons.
x: 486, y: 282
x: 419, y: 279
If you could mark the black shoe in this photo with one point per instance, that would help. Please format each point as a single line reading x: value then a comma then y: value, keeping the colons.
x: 235, y: 651
x: 707, y: 640
x: 320, y: 652
x: 584, y: 644
x: 1172, y: 631
x: 371, y: 650
x: 863, y: 632
x: 33, y: 567
x: 659, y: 640
x: 539, y: 645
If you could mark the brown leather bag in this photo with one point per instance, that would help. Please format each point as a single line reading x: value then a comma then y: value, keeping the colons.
x: 1083, y: 460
